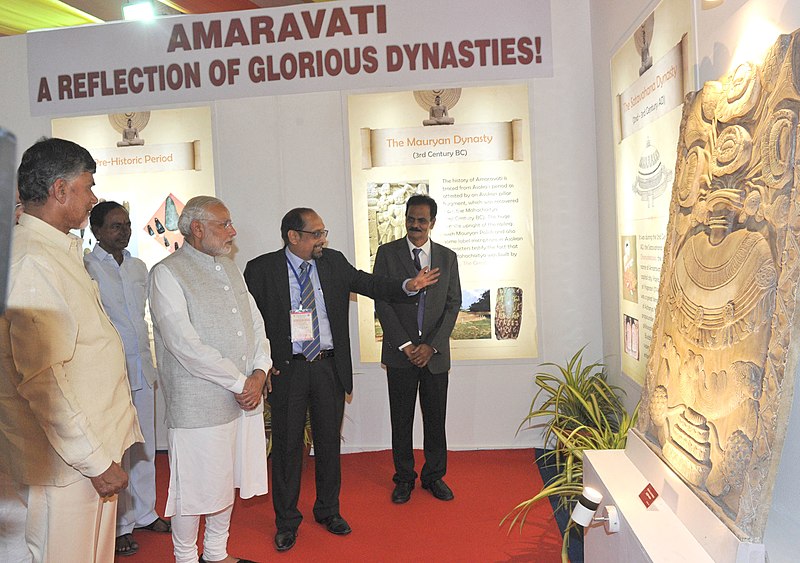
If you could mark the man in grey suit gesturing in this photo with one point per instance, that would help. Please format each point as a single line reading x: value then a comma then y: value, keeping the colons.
x: 416, y: 348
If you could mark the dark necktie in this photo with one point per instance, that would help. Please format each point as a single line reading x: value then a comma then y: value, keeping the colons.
x: 310, y: 347
x: 421, y: 306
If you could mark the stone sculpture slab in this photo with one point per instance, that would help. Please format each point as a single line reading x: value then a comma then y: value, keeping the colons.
x: 724, y: 357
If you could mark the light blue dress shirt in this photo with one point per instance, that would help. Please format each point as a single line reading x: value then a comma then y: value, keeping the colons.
x: 325, y: 336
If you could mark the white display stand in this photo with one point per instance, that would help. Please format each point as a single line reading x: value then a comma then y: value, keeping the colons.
x: 676, y: 527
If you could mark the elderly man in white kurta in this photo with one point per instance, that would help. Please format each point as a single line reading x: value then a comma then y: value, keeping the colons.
x: 122, y: 280
x: 213, y: 357
x: 66, y: 415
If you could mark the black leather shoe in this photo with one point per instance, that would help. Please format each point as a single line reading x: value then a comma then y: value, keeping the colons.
x: 336, y: 525
x: 402, y: 492
x: 439, y: 489
x: 284, y: 540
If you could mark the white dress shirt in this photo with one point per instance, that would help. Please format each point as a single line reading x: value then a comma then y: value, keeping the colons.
x: 123, y: 289
x: 424, y: 256
x: 424, y: 262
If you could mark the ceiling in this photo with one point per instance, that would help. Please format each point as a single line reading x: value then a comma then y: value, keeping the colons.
x: 19, y: 16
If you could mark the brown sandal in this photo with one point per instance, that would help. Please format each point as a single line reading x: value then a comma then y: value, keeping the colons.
x: 158, y: 525
x: 125, y: 545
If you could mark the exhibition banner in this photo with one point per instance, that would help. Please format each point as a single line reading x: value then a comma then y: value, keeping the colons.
x: 155, y: 158
x: 152, y: 166
x: 307, y: 48
x: 657, y: 92
x: 472, y: 142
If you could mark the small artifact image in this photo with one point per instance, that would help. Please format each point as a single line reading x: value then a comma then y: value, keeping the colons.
x: 474, y: 317
x: 631, y: 336
x: 652, y: 177
x: 508, y: 313
x: 386, y: 210
x: 130, y: 125
x: 630, y: 270
x: 163, y: 225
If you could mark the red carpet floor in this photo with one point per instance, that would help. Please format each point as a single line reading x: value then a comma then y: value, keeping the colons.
x: 487, y: 484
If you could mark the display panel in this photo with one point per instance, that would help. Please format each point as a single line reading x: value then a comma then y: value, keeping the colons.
x: 151, y: 163
x: 649, y: 76
x: 469, y: 149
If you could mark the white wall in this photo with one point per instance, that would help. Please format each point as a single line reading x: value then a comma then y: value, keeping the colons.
x: 275, y: 153
x: 718, y: 34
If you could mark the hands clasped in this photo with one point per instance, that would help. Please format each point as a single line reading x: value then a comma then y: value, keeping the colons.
x: 250, y: 397
x: 419, y: 355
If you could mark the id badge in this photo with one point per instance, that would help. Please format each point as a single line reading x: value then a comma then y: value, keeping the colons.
x: 302, y: 326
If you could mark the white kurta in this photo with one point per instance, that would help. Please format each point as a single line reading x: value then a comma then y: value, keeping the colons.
x: 123, y: 290
x: 206, y: 464
x: 65, y: 398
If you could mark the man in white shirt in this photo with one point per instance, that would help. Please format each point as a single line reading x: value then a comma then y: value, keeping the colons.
x: 123, y: 288
x: 213, y: 358
x: 66, y: 415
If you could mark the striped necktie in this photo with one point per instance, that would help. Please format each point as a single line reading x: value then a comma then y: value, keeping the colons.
x: 421, y: 305
x: 311, y: 347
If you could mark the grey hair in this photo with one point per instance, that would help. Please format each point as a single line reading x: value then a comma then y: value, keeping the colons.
x: 46, y: 161
x: 195, y: 210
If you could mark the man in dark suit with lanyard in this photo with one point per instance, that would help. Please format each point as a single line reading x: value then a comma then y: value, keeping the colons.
x: 416, y: 349
x: 303, y: 293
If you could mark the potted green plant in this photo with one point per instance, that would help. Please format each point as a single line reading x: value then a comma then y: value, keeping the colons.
x: 566, y: 390
x: 581, y: 411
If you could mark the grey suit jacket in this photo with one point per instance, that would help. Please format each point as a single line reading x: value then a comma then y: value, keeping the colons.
x: 399, y: 319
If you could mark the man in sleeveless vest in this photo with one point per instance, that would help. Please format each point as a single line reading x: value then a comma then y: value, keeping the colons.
x: 213, y: 357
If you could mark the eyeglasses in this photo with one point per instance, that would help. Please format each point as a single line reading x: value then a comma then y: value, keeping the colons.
x: 315, y: 234
x: 224, y: 224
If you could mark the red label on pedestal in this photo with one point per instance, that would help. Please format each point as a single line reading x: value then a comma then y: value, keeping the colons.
x: 648, y: 495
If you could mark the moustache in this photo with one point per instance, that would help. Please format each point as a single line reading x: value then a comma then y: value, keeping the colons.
x: 415, y: 230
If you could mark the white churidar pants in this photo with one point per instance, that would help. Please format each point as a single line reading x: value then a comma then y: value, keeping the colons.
x: 206, y: 465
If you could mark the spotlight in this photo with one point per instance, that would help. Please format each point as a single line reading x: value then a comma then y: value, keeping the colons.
x: 138, y: 10
x: 587, y: 505
x: 584, y: 512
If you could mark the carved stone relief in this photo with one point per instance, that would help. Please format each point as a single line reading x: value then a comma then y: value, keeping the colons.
x: 721, y: 371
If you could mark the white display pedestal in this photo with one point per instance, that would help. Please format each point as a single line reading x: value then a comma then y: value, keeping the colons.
x: 676, y: 527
